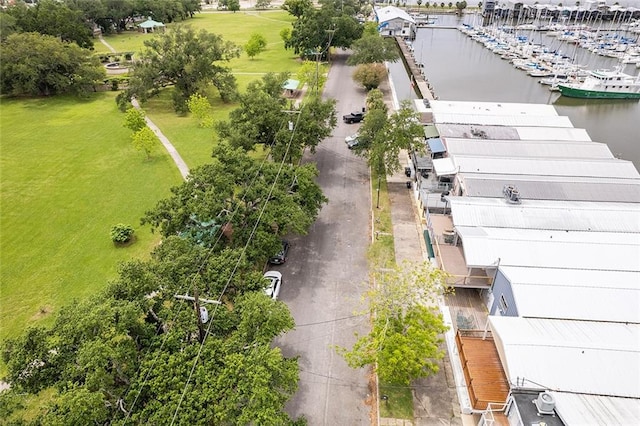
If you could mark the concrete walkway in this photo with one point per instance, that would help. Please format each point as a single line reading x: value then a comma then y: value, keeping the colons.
x: 435, y: 400
x: 173, y: 152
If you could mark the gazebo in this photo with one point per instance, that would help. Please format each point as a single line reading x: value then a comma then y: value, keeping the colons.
x: 150, y: 25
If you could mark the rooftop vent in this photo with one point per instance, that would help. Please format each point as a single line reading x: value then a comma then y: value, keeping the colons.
x: 545, y: 403
x: 512, y: 194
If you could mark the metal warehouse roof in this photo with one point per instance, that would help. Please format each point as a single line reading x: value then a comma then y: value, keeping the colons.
x: 546, y: 166
x: 537, y: 214
x: 612, y: 296
x: 479, y: 132
x: 511, y: 148
x: 571, y: 356
x: 553, y: 187
x: 491, y: 108
x: 552, y: 134
x: 571, y: 303
x: 389, y: 13
x: 487, y: 247
x: 504, y: 120
x: 579, y: 409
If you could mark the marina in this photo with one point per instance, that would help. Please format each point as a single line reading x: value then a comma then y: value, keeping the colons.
x: 458, y: 68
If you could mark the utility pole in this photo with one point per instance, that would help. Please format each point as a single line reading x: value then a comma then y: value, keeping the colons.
x: 317, y: 70
x: 196, y: 305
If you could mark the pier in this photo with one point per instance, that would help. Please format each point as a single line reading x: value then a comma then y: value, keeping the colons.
x: 419, y: 82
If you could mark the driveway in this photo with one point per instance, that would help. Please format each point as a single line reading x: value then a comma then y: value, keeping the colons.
x: 326, y: 274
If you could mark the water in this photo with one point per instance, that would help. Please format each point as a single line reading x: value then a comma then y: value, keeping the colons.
x: 460, y: 69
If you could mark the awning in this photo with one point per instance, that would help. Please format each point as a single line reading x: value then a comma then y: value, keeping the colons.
x: 431, y: 131
x: 291, y: 84
x: 444, y: 166
x: 436, y: 146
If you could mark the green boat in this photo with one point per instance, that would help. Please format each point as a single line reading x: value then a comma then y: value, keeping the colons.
x: 604, y: 84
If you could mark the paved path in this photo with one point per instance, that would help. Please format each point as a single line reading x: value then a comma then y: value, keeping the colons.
x: 103, y: 41
x: 173, y: 152
x: 434, y: 399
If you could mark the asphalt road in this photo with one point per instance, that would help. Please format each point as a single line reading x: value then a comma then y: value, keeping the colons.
x: 326, y: 274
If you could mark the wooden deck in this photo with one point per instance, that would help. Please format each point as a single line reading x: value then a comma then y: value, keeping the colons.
x: 485, y: 378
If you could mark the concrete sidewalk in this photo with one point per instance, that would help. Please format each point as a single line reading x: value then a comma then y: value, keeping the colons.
x: 435, y: 400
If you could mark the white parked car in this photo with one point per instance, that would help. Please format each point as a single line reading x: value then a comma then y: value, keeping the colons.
x: 351, y: 138
x: 275, y: 281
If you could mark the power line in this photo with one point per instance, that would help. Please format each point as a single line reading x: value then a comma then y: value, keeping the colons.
x: 197, y: 358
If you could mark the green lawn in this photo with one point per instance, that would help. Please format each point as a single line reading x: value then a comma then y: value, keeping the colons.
x: 396, y: 402
x: 69, y: 172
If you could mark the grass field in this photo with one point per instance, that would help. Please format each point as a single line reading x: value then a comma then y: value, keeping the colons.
x: 195, y: 144
x: 69, y: 172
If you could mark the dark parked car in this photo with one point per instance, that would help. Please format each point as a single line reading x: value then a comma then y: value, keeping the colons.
x: 280, y: 257
x: 354, y: 117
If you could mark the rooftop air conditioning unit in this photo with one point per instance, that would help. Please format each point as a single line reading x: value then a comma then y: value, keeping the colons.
x: 545, y: 403
x: 512, y: 194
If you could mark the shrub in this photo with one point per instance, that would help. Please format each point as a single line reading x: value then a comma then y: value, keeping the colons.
x: 121, y: 233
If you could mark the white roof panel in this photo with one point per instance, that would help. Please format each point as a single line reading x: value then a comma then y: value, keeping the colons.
x: 444, y: 166
x: 504, y: 120
x: 546, y: 167
x: 388, y: 13
x: 570, y: 356
x: 511, y: 148
x: 552, y: 133
x: 484, y: 247
x: 491, y: 108
x: 542, y: 214
x: 579, y: 409
x: 573, y: 303
x: 571, y: 277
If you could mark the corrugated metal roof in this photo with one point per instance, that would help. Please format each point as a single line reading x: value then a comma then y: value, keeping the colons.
x: 552, y: 215
x: 546, y: 167
x: 552, y: 134
x: 578, y: 409
x: 504, y: 120
x: 612, y: 296
x: 478, y: 132
x: 486, y: 247
x: 571, y: 356
x: 571, y: 303
x: 572, y: 277
x: 492, y: 108
x: 511, y: 148
x: 430, y: 132
x: 388, y: 13
x: 553, y: 187
x: 436, y: 146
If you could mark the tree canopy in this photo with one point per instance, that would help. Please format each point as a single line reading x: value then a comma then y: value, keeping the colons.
x: 373, y: 49
x: 263, y: 117
x: 404, y: 342
x: 42, y: 65
x: 382, y: 136
x: 315, y: 30
x: 135, y: 353
x: 57, y: 19
x: 190, y: 61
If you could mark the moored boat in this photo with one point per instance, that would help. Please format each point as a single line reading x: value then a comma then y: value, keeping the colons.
x: 604, y: 84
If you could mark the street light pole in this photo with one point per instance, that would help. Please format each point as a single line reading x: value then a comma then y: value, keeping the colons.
x: 378, y: 195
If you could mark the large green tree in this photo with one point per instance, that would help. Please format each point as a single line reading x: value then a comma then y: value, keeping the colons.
x: 316, y: 30
x: 53, y: 18
x: 189, y: 61
x: 373, y: 49
x: 382, y: 136
x: 404, y: 342
x: 254, y: 203
x: 35, y: 64
x: 264, y: 118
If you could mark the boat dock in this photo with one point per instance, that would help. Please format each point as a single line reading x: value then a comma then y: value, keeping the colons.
x: 419, y: 82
